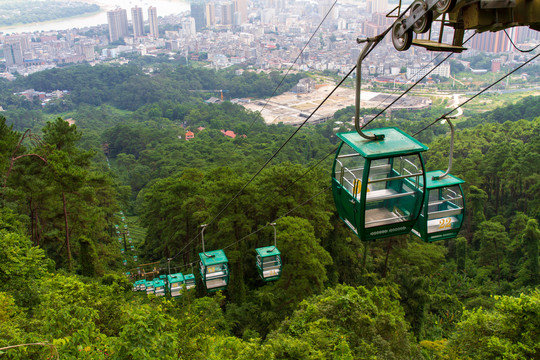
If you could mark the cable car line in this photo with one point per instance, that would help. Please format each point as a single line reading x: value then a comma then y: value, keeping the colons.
x: 277, y: 219
x: 476, y: 95
x: 256, y: 231
x: 295, y: 60
x: 293, y: 134
x: 281, y: 147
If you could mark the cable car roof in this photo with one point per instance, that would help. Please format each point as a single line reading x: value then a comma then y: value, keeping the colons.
x: 268, y: 251
x: 213, y: 257
x: 176, y: 277
x: 395, y: 143
x: 448, y: 180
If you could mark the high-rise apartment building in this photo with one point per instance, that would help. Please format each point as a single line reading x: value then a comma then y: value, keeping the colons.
x: 153, y: 22
x: 227, y: 13
x: 138, y: 21
x: 377, y: 6
x: 493, y: 42
x: 210, y: 14
x: 240, y: 7
x: 327, y: 7
x: 197, y: 12
x: 118, y: 24
x: 13, y: 54
x: 189, y: 26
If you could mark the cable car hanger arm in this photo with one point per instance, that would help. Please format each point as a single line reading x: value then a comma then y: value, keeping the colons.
x: 370, y: 44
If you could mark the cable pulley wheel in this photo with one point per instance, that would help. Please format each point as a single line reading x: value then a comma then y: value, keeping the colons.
x: 404, y: 42
x: 444, y: 6
x: 423, y: 24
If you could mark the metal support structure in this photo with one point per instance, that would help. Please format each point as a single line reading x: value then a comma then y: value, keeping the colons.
x: 451, y: 155
x: 275, y: 237
x: 371, y: 43
x: 169, y: 265
x: 203, y: 226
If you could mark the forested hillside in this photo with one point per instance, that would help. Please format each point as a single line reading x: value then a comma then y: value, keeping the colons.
x: 62, y: 279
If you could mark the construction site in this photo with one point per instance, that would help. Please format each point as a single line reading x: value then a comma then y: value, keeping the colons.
x: 293, y: 108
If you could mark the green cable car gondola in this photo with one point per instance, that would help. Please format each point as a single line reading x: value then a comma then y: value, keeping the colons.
x: 214, y: 268
x: 149, y: 286
x: 269, y: 261
x: 190, y: 281
x: 376, y: 175
x: 375, y: 182
x: 136, y: 285
x: 142, y: 285
x: 159, y: 287
x: 175, y: 284
x: 443, y: 212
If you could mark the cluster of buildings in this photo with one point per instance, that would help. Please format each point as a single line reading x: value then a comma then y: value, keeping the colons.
x: 118, y: 23
x: 263, y: 34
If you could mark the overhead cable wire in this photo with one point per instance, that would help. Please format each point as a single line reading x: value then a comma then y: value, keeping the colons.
x: 295, y: 60
x: 515, y: 46
x: 267, y: 162
x: 282, y: 216
x: 413, y: 85
x: 282, y: 146
x: 477, y: 94
x: 279, y: 150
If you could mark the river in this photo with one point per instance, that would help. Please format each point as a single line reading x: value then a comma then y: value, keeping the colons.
x: 163, y: 7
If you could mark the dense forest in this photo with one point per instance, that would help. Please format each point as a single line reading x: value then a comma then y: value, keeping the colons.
x: 126, y: 160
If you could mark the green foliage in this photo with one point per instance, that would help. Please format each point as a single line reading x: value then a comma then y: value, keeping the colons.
x: 344, y: 321
x: 63, y: 204
x: 508, y: 331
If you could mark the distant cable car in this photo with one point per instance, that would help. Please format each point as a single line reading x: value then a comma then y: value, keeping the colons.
x: 135, y: 258
x: 137, y: 285
x: 159, y: 287
x: 443, y: 212
x: 142, y: 285
x: 214, y: 268
x: 124, y: 262
x: 269, y: 260
x: 190, y: 281
x: 175, y: 284
x: 149, y: 286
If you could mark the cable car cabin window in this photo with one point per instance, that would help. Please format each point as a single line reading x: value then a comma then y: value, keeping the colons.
x: 215, y: 270
x: 190, y: 282
x: 270, y: 266
x: 349, y: 169
x: 444, y: 206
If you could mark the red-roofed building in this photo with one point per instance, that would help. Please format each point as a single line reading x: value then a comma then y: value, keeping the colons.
x: 229, y: 133
x: 200, y: 128
x: 189, y: 135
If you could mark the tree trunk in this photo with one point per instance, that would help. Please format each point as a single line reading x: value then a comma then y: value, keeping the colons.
x: 67, y: 230
x: 498, y: 266
x: 364, y: 259
x: 388, y: 248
